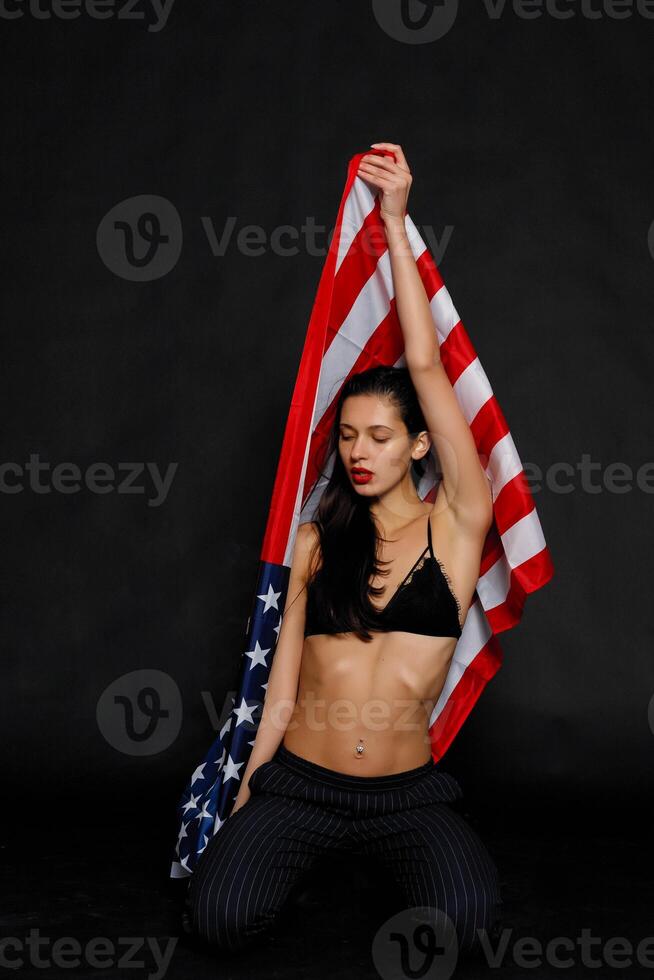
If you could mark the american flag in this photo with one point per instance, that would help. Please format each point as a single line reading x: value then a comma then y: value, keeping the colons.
x: 354, y: 326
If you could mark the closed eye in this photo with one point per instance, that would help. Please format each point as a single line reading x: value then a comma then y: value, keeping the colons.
x: 348, y: 438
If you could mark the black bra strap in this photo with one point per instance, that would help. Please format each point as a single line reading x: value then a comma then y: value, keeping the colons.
x: 431, y: 550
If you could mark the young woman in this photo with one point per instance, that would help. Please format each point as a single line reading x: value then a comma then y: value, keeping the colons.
x: 379, y: 588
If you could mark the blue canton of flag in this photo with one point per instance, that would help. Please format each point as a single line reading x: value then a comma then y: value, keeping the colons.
x: 210, y: 792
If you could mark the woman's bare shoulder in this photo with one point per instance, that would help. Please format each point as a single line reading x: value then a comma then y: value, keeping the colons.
x: 308, y: 539
x: 308, y: 532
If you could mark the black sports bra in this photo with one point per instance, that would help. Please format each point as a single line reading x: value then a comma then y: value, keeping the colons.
x: 423, y: 602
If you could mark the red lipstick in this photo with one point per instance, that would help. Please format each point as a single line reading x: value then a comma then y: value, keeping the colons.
x: 361, y: 475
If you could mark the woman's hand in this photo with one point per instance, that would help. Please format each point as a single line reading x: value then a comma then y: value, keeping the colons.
x: 241, y: 799
x: 392, y: 178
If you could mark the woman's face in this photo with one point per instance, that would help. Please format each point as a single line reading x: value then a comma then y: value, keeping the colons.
x: 373, y: 438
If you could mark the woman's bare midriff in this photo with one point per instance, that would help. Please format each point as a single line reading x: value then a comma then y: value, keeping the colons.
x: 382, y: 692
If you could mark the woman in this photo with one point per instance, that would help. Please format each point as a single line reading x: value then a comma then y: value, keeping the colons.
x: 379, y: 588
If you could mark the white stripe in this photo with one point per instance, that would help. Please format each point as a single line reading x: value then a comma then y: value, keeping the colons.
x: 444, y: 313
x: 503, y: 463
x: 472, y: 389
x: 369, y: 309
x: 371, y: 306
x: 177, y: 871
x: 358, y: 205
x: 493, y: 585
x: 297, y: 507
x: 476, y: 633
x: 523, y: 540
x: 520, y: 543
x: 415, y: 239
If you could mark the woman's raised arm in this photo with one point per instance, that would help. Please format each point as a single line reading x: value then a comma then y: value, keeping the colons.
x: 464, y: 481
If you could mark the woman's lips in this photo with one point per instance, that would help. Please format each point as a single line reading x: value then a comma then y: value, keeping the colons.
x: 362, y: 476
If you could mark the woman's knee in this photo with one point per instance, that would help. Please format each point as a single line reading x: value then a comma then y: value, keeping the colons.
x: 465, y: 883
x: 480, y: 922
x: 221, y: 927
x: 231, y: 904
x: 221, y: 920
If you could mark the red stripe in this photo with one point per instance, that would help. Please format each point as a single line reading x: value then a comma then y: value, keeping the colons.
x: 528, y: 577
x: 457, y: 352
x: 464, y: 696
x: 384, y: 346
x: 355, y: 270
x: 492, y: 550
x: 488, y: 427
x: 431, y: 277
x: 513, y: 502
x: 297, y: 431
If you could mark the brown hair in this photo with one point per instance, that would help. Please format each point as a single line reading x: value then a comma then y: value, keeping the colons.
x: 346, y: 528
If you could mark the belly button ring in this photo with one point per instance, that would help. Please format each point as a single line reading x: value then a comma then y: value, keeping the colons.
x: 359, y: 748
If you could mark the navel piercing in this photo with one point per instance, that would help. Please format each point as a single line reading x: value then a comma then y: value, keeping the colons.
x: 359, y: 748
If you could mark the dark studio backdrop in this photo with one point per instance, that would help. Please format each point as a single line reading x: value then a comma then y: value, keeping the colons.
x: 529, y: 138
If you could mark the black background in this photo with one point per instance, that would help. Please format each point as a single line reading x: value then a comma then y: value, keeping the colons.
x: 531, y: 141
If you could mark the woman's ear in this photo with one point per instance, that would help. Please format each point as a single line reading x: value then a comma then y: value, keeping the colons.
x: 421, y: 446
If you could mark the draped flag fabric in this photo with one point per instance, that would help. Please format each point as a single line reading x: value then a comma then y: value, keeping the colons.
x: 354, y: 326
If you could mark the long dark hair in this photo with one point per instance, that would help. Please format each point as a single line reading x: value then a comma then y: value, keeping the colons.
x: 347, y: 530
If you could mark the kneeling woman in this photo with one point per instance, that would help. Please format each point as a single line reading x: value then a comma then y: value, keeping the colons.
x: 342, y: 757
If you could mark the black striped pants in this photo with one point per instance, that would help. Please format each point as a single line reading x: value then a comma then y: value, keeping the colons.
x: 299, y: 812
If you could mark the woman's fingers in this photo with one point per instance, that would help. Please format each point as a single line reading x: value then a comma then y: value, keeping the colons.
x: 385, y: 177
x: 383, y: 185
x: 379, y: 163
x: 396, y: 149
x: 375, y: 174
x: 391, y: 171
x: 392, y: 177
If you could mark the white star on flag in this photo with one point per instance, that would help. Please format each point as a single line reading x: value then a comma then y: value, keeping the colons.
x: 270, y: 599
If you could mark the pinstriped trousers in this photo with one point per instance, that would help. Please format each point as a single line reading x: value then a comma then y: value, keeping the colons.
x: 299, y: 812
